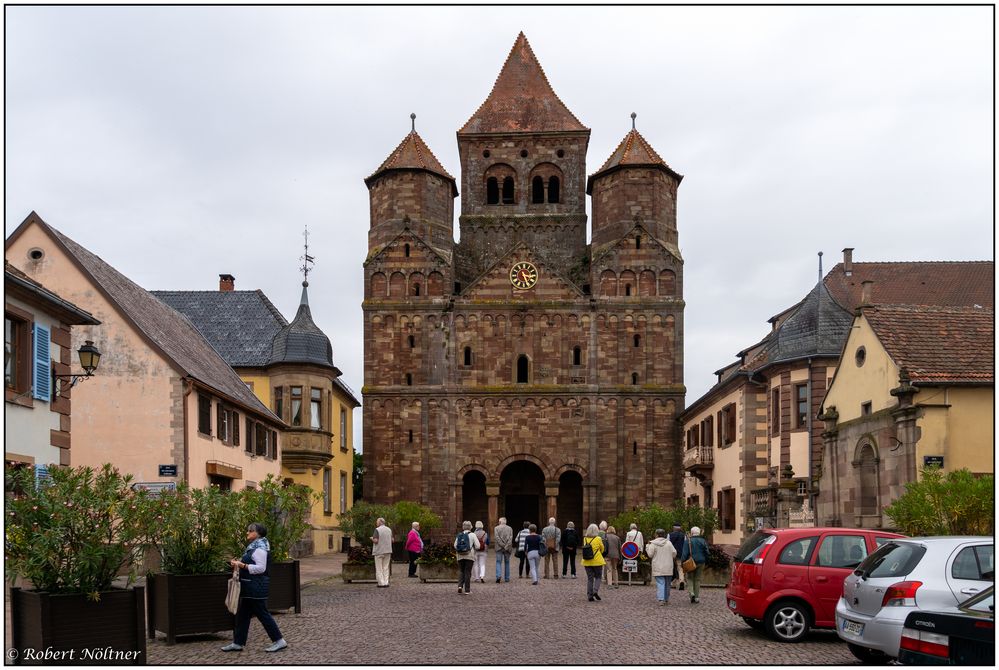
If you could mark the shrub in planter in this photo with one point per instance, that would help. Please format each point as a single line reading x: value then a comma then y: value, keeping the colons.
x: 199, y: 531
x: 359, y: 521
x: 438, y: 562
x: 284, y: 510
x: 70, y: 536
x: 360, y: 565
x: 656, y: 516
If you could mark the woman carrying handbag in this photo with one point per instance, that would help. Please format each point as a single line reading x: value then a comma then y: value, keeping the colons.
x: 254, y: 586
x: 695, y: 555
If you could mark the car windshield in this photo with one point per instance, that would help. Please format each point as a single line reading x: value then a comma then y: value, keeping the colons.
x: 894, y: 559
x: 747, y: 552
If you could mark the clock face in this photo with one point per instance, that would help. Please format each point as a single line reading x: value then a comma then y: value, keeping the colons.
x: 523, y: 275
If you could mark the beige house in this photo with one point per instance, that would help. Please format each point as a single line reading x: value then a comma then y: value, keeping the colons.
x: 38, y: 356
x: 916, y: 387
x: 756, y: 447
x: 164, y: 405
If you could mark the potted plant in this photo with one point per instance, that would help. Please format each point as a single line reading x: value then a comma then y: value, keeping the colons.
x: 69, y: 536
x: 718, y: 569
x: 438, y: 562
x: 199, y: 531
x: 284, y: 510
x: 360, y: 565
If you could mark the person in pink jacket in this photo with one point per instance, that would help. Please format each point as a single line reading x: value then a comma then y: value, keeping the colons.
x: 414, y: 545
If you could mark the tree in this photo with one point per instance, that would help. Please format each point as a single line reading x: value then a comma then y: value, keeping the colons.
x: 958, y: 503
x: 358, y: 476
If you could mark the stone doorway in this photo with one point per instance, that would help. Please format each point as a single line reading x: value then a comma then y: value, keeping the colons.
x: 570, y: 500
x: 474, y: 503
x: 522, y: 495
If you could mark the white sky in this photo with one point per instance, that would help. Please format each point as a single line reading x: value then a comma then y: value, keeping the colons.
x: 182, y: 142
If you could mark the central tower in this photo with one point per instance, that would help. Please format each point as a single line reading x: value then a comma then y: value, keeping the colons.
x: 522, y: 372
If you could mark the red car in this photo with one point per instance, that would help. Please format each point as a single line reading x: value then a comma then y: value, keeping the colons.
x: 787, y: 580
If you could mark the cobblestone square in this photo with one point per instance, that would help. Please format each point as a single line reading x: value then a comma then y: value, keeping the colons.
x: 413, y: 622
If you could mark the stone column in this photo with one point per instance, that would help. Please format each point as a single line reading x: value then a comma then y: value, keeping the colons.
x: 551, y: 497
x: 589, y: 506
x: 492, y: 491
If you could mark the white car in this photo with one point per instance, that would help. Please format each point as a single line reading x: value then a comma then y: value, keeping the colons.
x: 903, y: 576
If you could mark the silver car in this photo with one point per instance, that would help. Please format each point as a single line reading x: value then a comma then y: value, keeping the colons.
x: 906, y: 575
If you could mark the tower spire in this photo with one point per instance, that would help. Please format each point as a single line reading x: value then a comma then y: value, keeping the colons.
x: 412, y: 117
x: 307, y: 263
x: 820, y: 266
x: 633, y: 116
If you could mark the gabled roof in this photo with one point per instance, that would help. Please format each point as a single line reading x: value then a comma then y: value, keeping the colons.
x: 943, y: 283
x: 609, y: 248
x: 20, y: 285
x: 240, y: 325
x: 633, y: 151
x: 412, y: 154
x: 172, y: 334
x: 938, y: 345
x: 406, y: 232
x: 505, y: 258
x: 522, y: 100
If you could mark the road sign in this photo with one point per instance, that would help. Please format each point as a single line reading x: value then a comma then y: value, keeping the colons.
x: 629, y: 565
x: 155, y: 488
x: 629, y: 550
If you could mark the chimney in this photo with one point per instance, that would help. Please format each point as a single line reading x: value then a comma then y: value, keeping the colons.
x: 865, y: 292
x: 227, y: 283
x: 848, y: 261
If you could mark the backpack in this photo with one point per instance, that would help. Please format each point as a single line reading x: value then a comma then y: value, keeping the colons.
x: 587, y: 550
x: 483, y: 539
x: 461, y: 544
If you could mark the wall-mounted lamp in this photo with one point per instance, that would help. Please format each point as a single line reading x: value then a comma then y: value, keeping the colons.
x: 90, y: 358
x: 898, y: 443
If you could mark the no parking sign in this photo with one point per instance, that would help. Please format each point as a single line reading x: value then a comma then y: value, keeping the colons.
x: 629, y: 550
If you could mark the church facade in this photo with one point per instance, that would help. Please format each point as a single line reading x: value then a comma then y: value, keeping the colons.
x: 523, y: 372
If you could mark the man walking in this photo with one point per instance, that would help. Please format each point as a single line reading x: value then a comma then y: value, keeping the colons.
x: 381, y: 549
x: 551, y: 535
x: 678, y: 538
x: 503, y: 544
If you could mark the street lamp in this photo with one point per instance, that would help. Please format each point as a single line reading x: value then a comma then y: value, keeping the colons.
x: 90, y: 358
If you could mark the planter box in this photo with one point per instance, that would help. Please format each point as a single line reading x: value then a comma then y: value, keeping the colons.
x: 715, y: 577
x: 359, y: 573
x: 438, y: 573
x: 187, y: 604
x: 286, y: 586
x: 643, y: 576
x: 71, y: 630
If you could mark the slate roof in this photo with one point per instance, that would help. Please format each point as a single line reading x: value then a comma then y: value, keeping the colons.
x: 301, y: 341
x: 943, y: 283
x: 818, y: 327
x: 938, y: 345
x: 170, y: 331
x: 240, y: 325
x: 522, y: 100
x: 412, y: 154
x: 633, y: 150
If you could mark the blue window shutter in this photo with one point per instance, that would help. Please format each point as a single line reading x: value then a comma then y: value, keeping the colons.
x: 42, y: 387
x: 41, y: 476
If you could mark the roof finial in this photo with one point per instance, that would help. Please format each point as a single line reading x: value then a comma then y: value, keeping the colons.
x: 412, y: 117
x: 307, y: 260
x: 633, y: 116
x: 820, y: 266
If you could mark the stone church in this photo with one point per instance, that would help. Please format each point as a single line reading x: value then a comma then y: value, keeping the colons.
x: 521, y: 371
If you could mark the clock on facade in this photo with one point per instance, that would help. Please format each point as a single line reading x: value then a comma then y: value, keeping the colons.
x: 523, y: 275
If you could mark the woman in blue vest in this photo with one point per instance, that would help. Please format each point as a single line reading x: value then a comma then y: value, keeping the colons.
x: 254, y: 581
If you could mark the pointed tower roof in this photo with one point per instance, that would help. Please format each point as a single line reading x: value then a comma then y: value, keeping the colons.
x: 301, y: 341
x: 633, y: 151
x: 522, y: 100
x: 412, y: 154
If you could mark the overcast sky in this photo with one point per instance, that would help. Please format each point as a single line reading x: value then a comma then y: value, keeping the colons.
x: 182, y: 142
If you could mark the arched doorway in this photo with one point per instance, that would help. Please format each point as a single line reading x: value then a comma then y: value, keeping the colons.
x: 474, y: 503
x: 868, y: 477
x: 570, y: 500
x: 522, y: 494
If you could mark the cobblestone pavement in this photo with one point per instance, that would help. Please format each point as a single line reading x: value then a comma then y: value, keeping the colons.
x: 412, y: 622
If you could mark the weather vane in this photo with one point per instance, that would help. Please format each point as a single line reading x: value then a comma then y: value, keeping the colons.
x: 307, y: 260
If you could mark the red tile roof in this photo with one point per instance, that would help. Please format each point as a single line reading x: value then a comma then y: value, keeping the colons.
x: 412, y: 154
x: 938, y: 344
x: 522, y: 100
x: 943, y: 283
x: 633, y: 150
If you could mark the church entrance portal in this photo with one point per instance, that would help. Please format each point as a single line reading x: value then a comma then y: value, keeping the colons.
x: 570, y: 500
x: 522, y: 495
x: 474, y: 504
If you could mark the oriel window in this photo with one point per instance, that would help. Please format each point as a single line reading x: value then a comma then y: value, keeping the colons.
x: 315, y: 409
x: 279, y: 401
x: 296, y: 405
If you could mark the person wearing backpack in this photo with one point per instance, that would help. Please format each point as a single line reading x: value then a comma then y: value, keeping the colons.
x: 678, y: 538
x: 465, y: 545
x: 521, y: 554
x: 551, y: 535
x: 593, y: 561
x: 570, y: 540
x: 479, y: 570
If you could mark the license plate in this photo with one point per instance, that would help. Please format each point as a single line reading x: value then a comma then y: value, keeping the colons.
x: 853, y: 627
x: 731, y: 604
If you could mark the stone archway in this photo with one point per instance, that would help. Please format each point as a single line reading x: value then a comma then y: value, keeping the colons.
x: 474, y: 502
x: 522, y: 494
x: 569, y: 506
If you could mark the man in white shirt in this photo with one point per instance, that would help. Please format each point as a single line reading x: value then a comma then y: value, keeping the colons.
x: 381, y: 549
x: 635, y: 535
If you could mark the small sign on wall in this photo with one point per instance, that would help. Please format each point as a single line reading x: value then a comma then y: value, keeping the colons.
x: 936, y: 461
x: 168, y: 471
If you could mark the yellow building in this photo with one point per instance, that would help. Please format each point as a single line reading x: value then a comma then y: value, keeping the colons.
x: 915, y: 387
x: 289, y: 367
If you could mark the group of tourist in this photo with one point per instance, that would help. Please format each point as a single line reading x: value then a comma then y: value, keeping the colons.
x: 600, y: 546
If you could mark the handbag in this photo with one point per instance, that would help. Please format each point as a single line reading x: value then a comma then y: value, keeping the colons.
x: 232, y: 595
x: 689, y: 565
x: 542, y: 549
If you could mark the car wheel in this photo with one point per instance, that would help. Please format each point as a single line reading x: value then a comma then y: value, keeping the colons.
x: 868, y: 656
x: 755, y: 624
x: 787, y: 621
